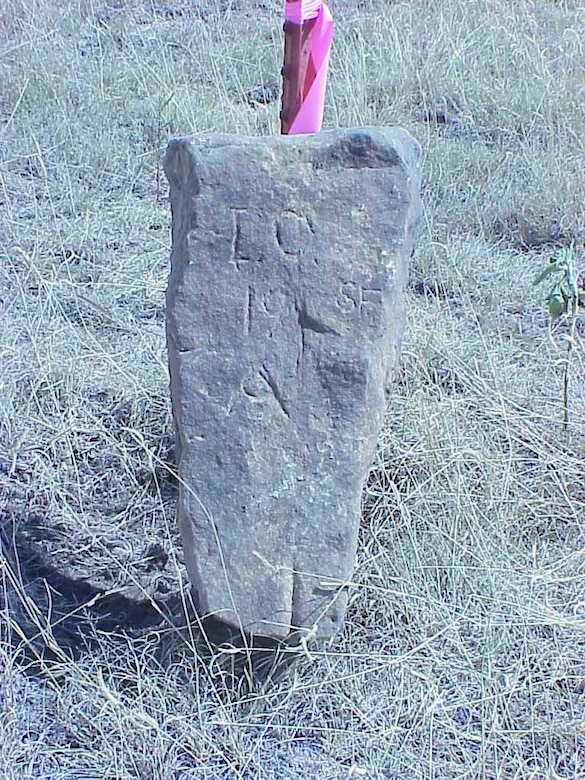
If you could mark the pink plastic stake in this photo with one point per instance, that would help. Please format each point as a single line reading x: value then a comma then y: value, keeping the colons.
x: 308, y: 32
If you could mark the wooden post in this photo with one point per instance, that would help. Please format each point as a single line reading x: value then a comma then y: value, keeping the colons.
x: 308, y: 32
x: 298, y: 72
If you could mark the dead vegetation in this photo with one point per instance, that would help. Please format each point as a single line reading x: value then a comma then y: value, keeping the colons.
x: 463, y: 654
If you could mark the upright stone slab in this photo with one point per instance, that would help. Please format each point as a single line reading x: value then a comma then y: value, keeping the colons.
x: 285, y: 309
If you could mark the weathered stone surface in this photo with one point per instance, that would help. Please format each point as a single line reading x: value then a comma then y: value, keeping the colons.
x: 285, y: 309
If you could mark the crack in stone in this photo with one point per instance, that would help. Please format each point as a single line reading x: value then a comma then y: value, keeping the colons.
x: 301, y: 352
x: 294, y: 596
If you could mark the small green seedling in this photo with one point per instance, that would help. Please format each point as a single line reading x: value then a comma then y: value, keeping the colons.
x: 564, y: 299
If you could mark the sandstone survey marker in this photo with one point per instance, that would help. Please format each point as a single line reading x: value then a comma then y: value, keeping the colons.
x: 285, y: 309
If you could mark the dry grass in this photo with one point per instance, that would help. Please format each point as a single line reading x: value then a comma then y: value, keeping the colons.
x: 463, y: 654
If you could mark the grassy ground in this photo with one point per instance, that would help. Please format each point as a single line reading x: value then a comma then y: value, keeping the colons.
x: 463, y: 654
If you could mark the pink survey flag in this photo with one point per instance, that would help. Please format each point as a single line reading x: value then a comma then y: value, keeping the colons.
x: 308, y: 32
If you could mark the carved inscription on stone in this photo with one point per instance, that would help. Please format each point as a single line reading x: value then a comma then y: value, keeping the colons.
x: 365, y: 302
x: 243, y: 241
x: 285, y: 313
x: 294, y: 232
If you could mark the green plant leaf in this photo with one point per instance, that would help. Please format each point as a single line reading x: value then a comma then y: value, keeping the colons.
x: 543, y: 275
x: 557, y: 302
x: 554, y: 265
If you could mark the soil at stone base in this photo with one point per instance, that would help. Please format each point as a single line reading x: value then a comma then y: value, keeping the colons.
x: 95, y: 523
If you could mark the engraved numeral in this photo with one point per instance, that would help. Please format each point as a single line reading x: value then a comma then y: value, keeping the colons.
x: 239, y: 255
x: 248, y: 311
x: 353, y: 297
x: 371, y: 296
